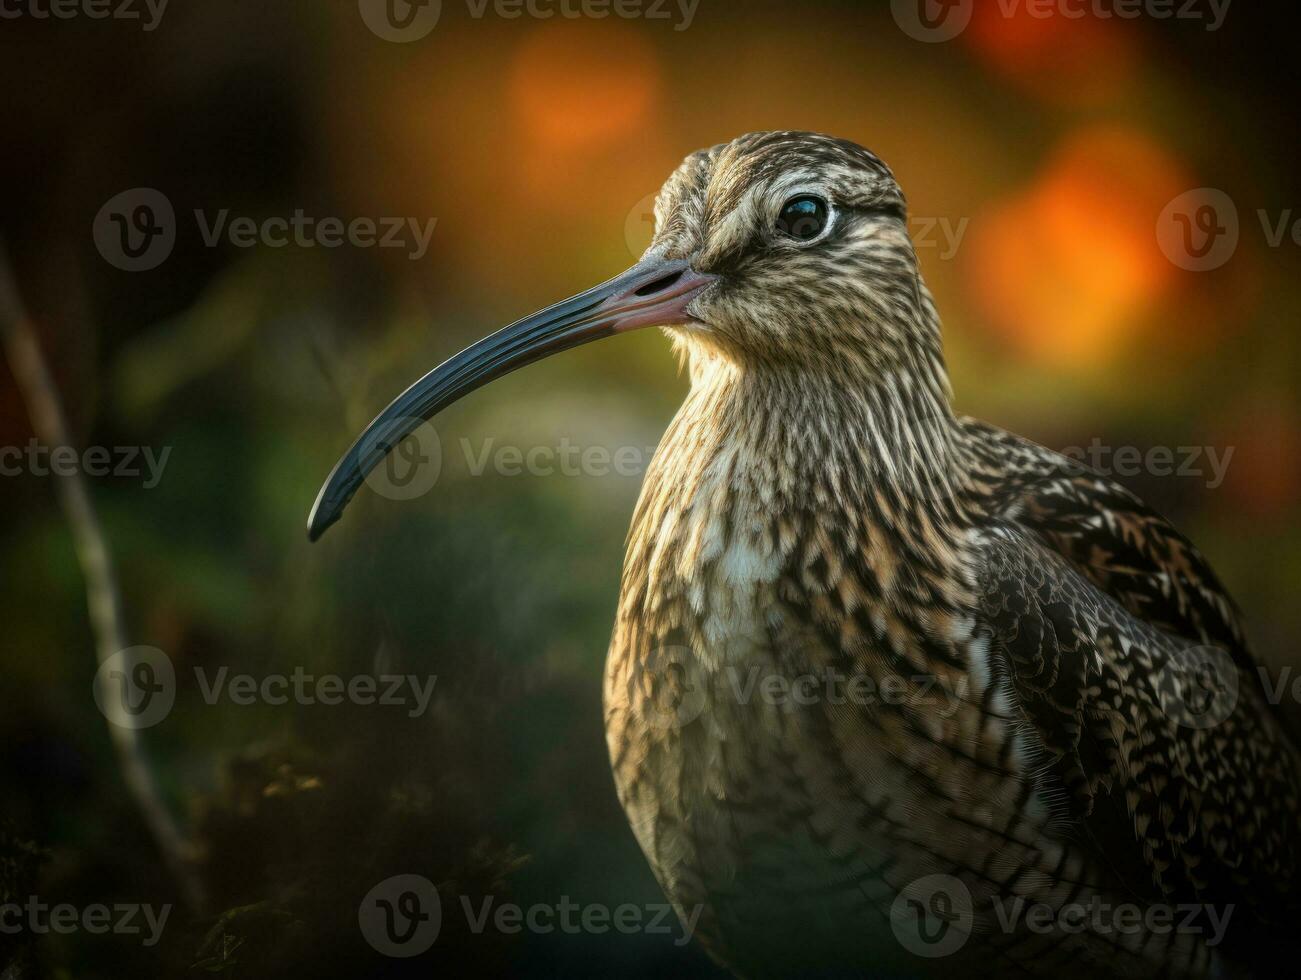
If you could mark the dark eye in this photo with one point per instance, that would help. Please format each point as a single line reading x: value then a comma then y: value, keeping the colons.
x: 803, y: 218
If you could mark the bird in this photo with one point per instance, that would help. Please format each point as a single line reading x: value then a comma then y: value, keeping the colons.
x: 893, y: 691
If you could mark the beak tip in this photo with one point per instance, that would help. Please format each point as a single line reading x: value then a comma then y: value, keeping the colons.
x: 318, y: 523
x: 327, y: 509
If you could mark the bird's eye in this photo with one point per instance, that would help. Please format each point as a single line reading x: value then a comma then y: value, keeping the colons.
x: 803, y: 218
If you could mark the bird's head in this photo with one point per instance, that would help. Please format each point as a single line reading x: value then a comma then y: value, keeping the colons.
x: 776, y: 251
x: 806, y: 241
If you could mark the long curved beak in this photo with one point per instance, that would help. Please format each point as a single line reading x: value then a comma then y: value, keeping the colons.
x: 654, y: 292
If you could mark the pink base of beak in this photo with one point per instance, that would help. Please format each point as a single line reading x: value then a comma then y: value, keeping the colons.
x: 657, y: 296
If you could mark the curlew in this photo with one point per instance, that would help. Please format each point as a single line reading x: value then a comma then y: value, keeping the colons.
x: 892, y: 690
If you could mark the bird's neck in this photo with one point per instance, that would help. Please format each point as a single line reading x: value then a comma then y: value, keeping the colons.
x: 753, y: 445
x: 764, y: 471
x: 785, y: 433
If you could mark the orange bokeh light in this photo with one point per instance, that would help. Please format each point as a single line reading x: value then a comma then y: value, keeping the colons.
x: 1070, y: 59
x: 1066, y: 271
x: 579, y: 84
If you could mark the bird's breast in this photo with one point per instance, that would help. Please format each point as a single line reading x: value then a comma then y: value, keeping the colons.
x: 738, y: 607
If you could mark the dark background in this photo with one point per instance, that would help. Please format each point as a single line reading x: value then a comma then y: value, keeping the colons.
x: 1056, y: 144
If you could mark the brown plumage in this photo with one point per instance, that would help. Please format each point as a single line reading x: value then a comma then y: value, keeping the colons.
x: 863, y: 641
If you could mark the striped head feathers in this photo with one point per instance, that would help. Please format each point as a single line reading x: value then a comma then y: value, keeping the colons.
x: 808, y: 237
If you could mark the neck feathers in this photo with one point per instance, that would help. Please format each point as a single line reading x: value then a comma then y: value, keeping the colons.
x: 842, y: 426
x: 794, y: 468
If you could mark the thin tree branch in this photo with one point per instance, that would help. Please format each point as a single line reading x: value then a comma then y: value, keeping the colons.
x: 102, y: 593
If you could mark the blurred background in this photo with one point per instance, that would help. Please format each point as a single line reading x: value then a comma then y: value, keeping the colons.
x: 1088, y: 300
